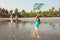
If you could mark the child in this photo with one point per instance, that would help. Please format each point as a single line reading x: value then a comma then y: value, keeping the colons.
x: 11, y: 18
x: 37, y: 23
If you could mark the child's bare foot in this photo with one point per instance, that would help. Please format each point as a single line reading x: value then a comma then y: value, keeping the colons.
x: 38, y: 36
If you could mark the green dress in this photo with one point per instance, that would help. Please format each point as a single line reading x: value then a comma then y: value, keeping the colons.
x: 37, y: 23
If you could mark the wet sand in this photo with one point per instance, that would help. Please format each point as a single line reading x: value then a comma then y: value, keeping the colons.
x: 26, y: 35
x: 19, y: 31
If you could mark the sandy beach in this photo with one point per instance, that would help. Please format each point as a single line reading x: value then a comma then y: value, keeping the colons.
x: 23, y: 31
x: 43, y: 19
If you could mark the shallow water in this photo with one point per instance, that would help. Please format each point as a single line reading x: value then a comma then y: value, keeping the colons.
x: 24, y: 29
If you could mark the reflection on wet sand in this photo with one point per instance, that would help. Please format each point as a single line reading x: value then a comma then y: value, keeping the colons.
x: 8, y: 31
x: 11, y: 24
x: 16, y: 25
x: 52, y: 24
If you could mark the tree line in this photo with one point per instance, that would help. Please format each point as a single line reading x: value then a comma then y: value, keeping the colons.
x: 50, y: 13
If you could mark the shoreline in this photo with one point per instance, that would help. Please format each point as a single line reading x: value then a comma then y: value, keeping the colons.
x: 43, y: 19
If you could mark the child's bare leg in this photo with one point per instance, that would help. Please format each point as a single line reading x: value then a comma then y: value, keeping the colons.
x: 37, y: 33
x: 34, y: 33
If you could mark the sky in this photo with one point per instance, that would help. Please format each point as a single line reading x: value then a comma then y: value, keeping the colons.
x: 27, y: 5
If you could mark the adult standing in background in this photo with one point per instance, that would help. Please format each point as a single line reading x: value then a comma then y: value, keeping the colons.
x: 16, y: 18
x: 11, y: 18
